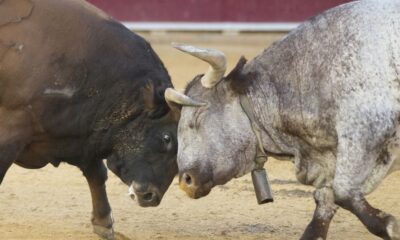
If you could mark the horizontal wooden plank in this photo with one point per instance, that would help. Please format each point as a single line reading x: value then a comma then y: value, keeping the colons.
x: 212, y: 26
x: 215, y: 10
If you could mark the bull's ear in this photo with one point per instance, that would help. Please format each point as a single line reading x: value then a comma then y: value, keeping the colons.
x: 154, y: 101
x: 176, y: 100
x: 174, y: 106
x: 175, y: 110
x: 149, y: 96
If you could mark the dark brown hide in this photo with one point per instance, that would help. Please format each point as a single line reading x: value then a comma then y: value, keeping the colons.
x: 79, y: 87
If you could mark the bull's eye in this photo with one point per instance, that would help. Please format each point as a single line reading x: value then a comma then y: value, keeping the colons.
x: 167, y: 138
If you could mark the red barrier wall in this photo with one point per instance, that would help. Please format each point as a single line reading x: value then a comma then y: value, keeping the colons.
x: 214, y: 10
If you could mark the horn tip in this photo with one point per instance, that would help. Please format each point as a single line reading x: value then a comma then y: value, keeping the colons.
x: 179, y: 46
x: 168, y: 92
x: 187, y: 48
x: 175, y: 44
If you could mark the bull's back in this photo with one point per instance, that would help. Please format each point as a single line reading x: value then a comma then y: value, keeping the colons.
x: 344, y: 63
x: 41, y: 41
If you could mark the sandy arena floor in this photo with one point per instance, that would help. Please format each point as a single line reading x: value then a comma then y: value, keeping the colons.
x: 55, y: 203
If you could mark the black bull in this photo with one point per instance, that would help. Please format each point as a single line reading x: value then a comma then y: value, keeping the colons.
x: 78, y: 87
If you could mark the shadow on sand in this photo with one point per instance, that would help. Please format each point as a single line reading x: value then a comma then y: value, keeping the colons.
x: 120, y: 236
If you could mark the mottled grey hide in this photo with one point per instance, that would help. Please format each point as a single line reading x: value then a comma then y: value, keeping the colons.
x: 327, y: 96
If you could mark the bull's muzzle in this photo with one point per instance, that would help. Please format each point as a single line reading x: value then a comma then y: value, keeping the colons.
x: 192, y: 186
x: 145, y: 196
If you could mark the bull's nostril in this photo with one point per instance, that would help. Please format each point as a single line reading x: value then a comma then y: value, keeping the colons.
x: 148, y: 196
x: 187, y: 179
x: 132, y: 196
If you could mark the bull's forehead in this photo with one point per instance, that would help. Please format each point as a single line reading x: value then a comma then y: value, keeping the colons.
x: 212, y: 126
x: 216, y: 139
x: 188, y: 124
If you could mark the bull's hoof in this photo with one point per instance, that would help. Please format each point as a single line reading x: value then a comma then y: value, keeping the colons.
x: 104, y: 227
x: 104, y: 233
x: 393, y: 228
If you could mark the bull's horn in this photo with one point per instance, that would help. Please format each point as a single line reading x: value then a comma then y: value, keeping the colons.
x: 171, y: 95
x: 215, y: 58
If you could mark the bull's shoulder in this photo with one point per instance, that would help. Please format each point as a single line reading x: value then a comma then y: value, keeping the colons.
x: 352, y: 26
x: 38, y: 53
x: 345, y: 53
x: 331, y: 52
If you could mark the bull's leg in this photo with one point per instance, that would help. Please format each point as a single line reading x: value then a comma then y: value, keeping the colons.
x: 377, y: 222
x: 96, y: 175
x: 354, y: 166
x: 8, y: 154
x: 15, y: 132
x: 324, y: 212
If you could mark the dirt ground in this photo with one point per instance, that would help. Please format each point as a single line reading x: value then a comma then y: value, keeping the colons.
x: 55, y: 203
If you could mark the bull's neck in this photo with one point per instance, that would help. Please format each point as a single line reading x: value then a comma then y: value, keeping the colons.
x: 264, y: 101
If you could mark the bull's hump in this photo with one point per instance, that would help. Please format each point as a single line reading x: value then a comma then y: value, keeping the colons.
x: 84, y: 5
x: 14, y: 11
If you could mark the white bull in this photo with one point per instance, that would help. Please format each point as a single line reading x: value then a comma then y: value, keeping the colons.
x: 327, y: 96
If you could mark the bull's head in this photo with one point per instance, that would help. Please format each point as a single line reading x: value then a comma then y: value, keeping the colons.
x: 144, y: 149
x: 216, y: 142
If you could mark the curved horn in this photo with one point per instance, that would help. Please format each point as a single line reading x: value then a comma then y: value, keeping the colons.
x: 171, y: 95
x: 215, y: 58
